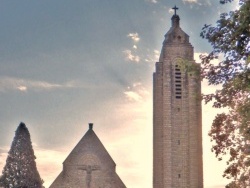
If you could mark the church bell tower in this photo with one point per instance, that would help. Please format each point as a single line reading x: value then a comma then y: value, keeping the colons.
x: 177, y: 126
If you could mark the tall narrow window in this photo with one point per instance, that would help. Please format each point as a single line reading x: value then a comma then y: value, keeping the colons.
x: 178, y: 88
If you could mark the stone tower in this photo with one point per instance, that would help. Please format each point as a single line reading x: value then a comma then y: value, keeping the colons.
x: 177, y: 127
x: 89, y: 165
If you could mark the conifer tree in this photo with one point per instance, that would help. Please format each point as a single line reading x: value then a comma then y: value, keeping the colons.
x: 20, y: 169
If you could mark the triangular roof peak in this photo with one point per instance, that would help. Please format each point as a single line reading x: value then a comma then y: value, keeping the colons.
x: 89, y: 144
x: 88, y: 165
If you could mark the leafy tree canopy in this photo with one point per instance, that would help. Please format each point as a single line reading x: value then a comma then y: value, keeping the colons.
x: 230, y: 131
x: 20, y: 169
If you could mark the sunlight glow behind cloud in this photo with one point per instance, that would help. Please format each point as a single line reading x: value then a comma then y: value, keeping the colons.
x: 23, y: 85
x: 131, y: 95
x: 22, y: 88
x: 137, y: 92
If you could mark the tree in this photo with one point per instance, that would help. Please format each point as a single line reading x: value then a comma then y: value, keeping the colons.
x: 20, y: 169
x: 230, y: 130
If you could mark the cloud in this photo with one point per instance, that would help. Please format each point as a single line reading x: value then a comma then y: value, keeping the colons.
x: 132, y: 53
x: 134, y: 36
x: 190, y: 1
x: 23, y: 85
x: 3, y: 156
x: 3, y: 150
x: 22, y: 88
x: 131, y: 95
x: 130, y: 56
x: 197, y: 2
x: 152, y: 56
x: 197, y: 56
x: 208, y: 2
x: 170, y: 11
x: 152, y: 1
x: 215, y: 61
x: 136, y: 92
x: 49, y: 163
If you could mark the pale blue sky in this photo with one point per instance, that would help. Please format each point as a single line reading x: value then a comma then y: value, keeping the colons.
x: 66, y: 63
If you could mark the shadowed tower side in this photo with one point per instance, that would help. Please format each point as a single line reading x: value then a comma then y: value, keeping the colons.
x: 177, y: 127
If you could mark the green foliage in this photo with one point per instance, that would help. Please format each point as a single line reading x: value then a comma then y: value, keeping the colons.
x: 20, y: 169
x: 230, y: 131
x: 189, y: 67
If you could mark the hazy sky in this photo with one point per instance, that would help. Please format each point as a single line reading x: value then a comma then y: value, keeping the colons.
x: 66, y: 63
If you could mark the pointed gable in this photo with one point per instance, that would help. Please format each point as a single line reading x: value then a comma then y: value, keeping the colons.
x: 89, y: 149
x: 88, y: 165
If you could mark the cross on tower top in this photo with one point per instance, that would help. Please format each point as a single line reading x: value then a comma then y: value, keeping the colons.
x: 175, y: 8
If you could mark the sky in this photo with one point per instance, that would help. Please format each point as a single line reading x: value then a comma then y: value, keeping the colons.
x: 64, y: 64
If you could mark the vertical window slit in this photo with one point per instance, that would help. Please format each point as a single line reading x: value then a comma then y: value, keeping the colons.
x: 178, y: 91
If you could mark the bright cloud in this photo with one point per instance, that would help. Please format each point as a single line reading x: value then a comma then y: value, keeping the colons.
x: 130, y: 56
x: 3, y: 156
x: 197, y: 56
x: 156, y: 54
x: 131, y: 95
x: 190, y: 1
x: 136, y: 92
x: 22, y: 88
x: 23, y: 85
x: 49, y: 163
x: 170, y: 11
x: 134, y: 36
x: 153, y: 1
x: 152, y: 56
x: 215, y: 61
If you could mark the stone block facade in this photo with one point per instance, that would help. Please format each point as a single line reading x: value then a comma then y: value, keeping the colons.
x: 177, y: 129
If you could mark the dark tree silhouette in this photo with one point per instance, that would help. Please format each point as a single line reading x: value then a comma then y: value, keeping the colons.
x: 231, y: 130
x: 20, y: 169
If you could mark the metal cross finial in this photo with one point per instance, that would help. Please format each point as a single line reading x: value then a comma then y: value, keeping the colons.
x: 175, y: 8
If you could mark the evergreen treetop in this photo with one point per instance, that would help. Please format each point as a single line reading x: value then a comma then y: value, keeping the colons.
x: 20, y: 170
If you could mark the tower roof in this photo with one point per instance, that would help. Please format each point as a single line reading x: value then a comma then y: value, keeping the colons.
x: 176, y: 42
x: 176, y: 35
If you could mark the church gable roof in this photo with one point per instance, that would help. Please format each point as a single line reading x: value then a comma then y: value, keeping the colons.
x: 88, y: 165
x: 89, y: 150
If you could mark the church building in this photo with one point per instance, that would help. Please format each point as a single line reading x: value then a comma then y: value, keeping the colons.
x: 89, y: 165
x: 177, y: 126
